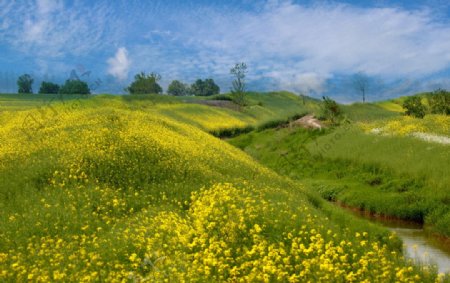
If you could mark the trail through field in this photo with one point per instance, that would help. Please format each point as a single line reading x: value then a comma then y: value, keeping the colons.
x: 432, y: 138
x: 309, y: 122
x: 423, y: 136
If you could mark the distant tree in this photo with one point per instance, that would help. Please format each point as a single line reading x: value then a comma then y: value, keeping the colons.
x: 331, y: 110
x: 211, y: 87
x: 24, y: 83
x: 48, y: 87
x: 413, y: 107
x: 177, y: 88
x: 74, y: 87
x: 205, y: 88
x: 439, y: 101
x: 197, y: 88
x: 238, y: 90
x: 145, y: 84
x: 361, y: 83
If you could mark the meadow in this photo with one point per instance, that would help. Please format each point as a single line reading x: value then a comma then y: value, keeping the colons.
x: 117, y: 189
x: 388, y: 172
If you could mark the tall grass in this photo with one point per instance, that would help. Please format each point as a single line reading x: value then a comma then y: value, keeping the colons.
x: 397, y: 176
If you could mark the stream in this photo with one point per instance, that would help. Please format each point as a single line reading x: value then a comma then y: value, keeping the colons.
x: 417, y: 245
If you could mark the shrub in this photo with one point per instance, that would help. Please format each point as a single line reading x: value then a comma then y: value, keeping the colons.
x: 224, y: 97
x: 413, y: 107
x: 331, y: 110
x: 439, y: 102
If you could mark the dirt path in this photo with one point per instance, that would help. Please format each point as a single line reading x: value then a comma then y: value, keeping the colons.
x: 308, y: 122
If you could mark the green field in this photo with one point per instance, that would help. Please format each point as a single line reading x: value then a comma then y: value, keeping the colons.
x: 393, y: 174
x: 135, y: 189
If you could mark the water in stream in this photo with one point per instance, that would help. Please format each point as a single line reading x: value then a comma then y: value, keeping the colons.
x: 423, y: 249
x: 417, y: 245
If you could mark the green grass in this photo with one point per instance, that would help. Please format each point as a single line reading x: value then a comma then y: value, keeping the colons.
x: 395, y: 104
x: 367, y: 112
x: 396, y: 176
x: 14, y: 102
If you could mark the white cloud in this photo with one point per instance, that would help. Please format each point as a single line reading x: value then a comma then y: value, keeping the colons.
x: 306, y: 83
x: 119, y: 65
x: 48, y: 6
x: 298, y: 46
x: 297, y: 41
x: 47, y: 29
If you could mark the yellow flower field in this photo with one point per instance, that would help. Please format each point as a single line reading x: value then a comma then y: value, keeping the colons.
x: 115, y: 195
x: 404, y: 125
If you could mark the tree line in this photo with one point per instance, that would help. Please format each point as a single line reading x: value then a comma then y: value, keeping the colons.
x: 71, y: 86
x: 149, y: 83
x: 146, y: 84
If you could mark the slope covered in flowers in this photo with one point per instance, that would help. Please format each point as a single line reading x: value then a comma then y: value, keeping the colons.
x: 407, y: 125
x: 120, y: 195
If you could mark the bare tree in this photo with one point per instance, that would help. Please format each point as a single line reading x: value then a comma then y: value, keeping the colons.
x: 238, y: 89
x: 361, y: 84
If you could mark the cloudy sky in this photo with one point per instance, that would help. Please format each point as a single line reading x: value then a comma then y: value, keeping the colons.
x: 311, y: 47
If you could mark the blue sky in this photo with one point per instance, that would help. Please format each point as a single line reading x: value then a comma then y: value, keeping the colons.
x: 310, y: 47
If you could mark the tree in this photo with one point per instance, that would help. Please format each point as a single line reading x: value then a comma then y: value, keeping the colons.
x: 238, y: 90
x: 145, y: 84
x: 48, y: 87
x: 205, y: 88
x: 413, y: 107
x: 178, y: 88
x: 331, y: 110
x: 24, y: 83
x: 210, y: 87
x: 439, y: 101
x: 197, y: 88
x: 74, y: 87
x: 361, y: 84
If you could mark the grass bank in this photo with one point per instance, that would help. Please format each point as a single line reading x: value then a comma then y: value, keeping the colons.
x: 393, y: 175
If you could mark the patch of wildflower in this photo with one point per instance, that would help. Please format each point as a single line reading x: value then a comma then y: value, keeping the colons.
x: 407, y: 125
x: 114, y: 195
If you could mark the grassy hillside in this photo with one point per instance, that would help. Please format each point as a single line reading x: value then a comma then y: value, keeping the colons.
x: 395, y: 104
x: 262, y: 108
x: 392, y: 173
x: 367, y: 112
x: 127, y: 192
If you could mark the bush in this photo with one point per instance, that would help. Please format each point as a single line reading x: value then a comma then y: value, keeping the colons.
x: 331, y: 110
x: 439, y: 102
x: 223, y: 97
x: 413, y: 107
x: 49, y: 88
x: 74, y: 87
